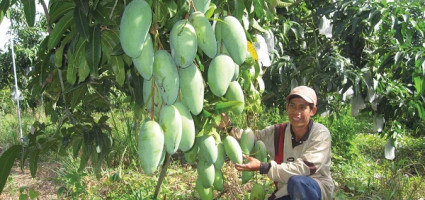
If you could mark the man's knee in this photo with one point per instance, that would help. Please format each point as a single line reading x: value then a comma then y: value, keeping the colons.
x: 303, y: 187
x: 295, y: 183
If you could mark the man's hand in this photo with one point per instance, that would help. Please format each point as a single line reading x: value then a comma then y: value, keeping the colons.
x: 252, y: 165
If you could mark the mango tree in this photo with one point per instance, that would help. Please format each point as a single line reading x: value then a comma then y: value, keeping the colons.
x: 372, y: 49
x: 183, y: 63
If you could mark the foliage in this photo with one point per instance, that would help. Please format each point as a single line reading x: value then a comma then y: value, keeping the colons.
x: 369, y: 175
x: 80, y: 68
x: 344, y: 129
x: 7, y: 159
x: 373, y: 47
x: 25, y: 40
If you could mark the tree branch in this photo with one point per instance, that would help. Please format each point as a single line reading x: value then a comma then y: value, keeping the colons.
x: 46, y: 12
x: 163, y: 174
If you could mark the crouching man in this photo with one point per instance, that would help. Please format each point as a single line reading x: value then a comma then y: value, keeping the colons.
x: 301, y: 150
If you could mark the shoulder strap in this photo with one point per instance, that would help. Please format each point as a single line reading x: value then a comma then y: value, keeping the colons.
x: 279, y: 141
x: 279, y: 136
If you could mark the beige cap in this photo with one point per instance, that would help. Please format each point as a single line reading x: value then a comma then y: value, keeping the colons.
x: 304, y: 92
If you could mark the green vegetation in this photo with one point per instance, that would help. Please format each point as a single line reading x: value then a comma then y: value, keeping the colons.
x: 359, y: 167
x: 86, y: 79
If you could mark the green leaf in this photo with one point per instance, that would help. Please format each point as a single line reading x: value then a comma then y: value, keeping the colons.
x: 375, y: 18
x: 29, y: 10
x: 58, y: 9
x: 258, y: 8
x: 80, y: 60
x: 59, y: 51
x: 33, y: 162
x: 87, y: 151
x: 77, y: 95
x: 7, y: 160
x: 210, y: 10
x: 205, y: 113
x: 238, y: 9
x: 257, y: 26
x: 1, y: 16
x: 83, y: 5
x: 101, y: 15
x: 4, y: 5
x: 397, y: 57
x: 76, y: 145
x: 23, y: 197
x: 117, y: 51
x: 94, y: 50
x: 221, y: 107
x: 109, y: 40
x: 117, y: 64
x: 397, y: 28
x: 33, y: 194
x: 81, y: 21
x: 71, y: 72
x: 63, y: 24
x: 419, y: 84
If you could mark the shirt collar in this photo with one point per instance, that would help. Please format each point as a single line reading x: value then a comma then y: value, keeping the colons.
x: 305, y: 137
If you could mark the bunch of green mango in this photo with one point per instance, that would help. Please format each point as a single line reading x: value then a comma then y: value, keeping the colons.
x: 174, y: 87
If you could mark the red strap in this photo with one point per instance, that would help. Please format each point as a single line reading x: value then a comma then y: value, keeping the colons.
x: 278, y: 158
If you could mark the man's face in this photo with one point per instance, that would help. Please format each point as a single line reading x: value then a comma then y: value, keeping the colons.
x: 299, y: 112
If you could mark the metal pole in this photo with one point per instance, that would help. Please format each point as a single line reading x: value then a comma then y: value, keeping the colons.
x: 16, y: 89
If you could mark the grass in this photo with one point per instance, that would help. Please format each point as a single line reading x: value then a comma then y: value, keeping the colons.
x: 359, y: 168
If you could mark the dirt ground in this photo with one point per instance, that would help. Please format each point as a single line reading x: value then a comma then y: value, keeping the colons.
x: 44, y: 182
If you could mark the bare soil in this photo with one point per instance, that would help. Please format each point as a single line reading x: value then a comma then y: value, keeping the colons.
x: 43, y: 183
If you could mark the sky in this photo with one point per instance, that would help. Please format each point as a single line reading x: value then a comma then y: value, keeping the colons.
x: 5, y: 25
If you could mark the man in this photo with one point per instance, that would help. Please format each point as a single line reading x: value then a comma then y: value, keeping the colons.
x: 303, y: 148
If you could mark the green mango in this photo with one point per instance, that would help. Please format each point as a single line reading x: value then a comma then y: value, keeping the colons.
x: 218, y: 180
x: 217, y: 30
x: 236, y: 74
x: 220, y: 73
x: 204, y: 193
x: 232, y: 149
x: 247, y: 141
x: 221, y: 156
x: 208, y: 149
x: 260, y: 151
x: 188, y: 127
x: 234, y: 38
x: 144, y: 62
x: 171, y: 123
x: 235, y: 93
x: 206, y: 173
x: 183, y: 43
x: 204, y: 33
x: 135, y: 23
x: 258, y: 192
x: 150, y: 146
x: 192, y: 88
x: 166, y: 76
x: 191, y: 155
x: 246, y: 176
